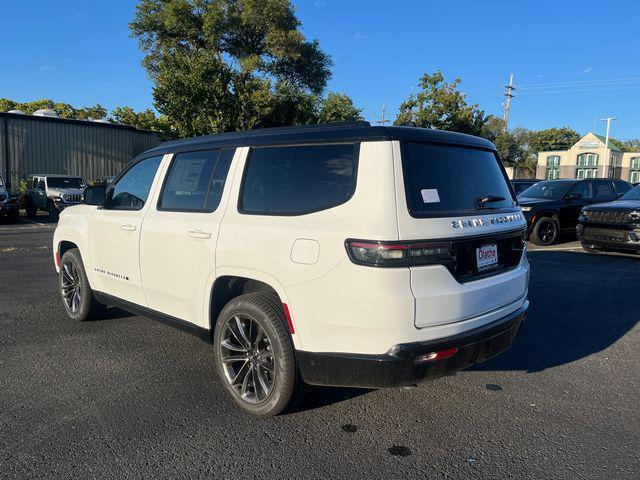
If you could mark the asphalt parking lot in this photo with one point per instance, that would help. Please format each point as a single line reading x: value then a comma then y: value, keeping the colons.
x: 125, y: 397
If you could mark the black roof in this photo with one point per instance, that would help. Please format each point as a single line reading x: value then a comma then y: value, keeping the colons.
x: 323, y: 133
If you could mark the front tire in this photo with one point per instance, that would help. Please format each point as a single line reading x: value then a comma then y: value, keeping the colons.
x: 545, y: 232
x: 75, y: 291
x: 254, y: 355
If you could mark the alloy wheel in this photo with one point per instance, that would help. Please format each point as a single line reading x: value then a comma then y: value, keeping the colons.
x: 247, y: 358
x: 70, y: 286
x: 547, y: 232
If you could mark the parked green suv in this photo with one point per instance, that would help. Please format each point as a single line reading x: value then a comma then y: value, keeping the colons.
x: 52, y: 193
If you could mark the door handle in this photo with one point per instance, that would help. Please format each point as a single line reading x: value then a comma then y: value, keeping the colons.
x: 199, y: 234
x: 128, y: 227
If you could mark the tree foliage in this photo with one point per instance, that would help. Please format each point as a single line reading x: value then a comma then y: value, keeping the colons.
x: 338, y: 107
x: 221, y: 65
x: 442, y: 106
x: 145, y: 119
x: 553, y: 139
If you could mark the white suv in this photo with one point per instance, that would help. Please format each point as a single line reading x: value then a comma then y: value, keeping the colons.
x: 344, y: 255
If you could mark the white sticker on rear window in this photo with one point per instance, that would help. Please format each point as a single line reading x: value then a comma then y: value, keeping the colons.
x: 430, y: 195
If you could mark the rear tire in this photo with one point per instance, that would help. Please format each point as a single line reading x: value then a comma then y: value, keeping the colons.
x: 54, y: 214
x: 75, y: 291
x: 254, y: 355
x: 14, y: 217
x: 545, y: 232
x: 30, y: 209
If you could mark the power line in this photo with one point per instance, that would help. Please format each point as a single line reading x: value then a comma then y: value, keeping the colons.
x: 574, y: 83
x: 580, y: 90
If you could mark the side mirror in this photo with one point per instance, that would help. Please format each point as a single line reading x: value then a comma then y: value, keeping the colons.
x: 94, y: 195
x: 573, y: 196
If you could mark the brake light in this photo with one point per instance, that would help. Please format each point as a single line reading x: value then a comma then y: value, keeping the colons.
x: 398, y: 254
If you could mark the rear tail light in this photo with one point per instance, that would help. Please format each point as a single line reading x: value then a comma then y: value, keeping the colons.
x: 398, y: 254
x: 435, y: 356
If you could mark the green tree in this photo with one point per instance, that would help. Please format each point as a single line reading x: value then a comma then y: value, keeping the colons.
x: 553, y: 139
x: 31, y: 107
x: 441, y: 105
x: 632, y: 145
x: 144, y: 120
x: 221, y: 65
x: 65, y: 110
x: 97, y: 112
x: 338, y: 107
x: 6, y: 105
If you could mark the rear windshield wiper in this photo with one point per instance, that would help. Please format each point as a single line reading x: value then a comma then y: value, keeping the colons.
x: 482, y: 201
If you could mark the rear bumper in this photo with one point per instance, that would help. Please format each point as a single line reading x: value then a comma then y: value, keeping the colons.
x: 398, y: 368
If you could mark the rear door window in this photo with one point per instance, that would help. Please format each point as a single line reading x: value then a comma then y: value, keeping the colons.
x: 604, y: 191
x: 451, y: 180
x: 584, y: 189
x: 299, y: 179
x: 195, y: 181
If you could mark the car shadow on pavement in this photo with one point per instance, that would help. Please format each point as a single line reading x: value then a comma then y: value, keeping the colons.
x: 318, y: 397
x: 111, y: 313
x: 580, y: 305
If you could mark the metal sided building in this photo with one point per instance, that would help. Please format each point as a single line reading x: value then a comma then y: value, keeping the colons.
x: 51, y: 145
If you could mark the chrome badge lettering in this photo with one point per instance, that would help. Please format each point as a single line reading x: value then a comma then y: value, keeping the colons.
x: 485, y: 222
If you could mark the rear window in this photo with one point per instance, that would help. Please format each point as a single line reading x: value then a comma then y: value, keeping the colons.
x: 299, y: 179
x: 443, y: 180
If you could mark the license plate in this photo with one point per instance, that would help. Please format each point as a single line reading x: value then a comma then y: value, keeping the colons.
x: 487, y: 256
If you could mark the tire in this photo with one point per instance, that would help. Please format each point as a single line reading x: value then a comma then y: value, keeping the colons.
x: 254, y: 355
x: 14, y: 217
x: 75, y: 291
x: 545, y: 232
x: 54, y: 214
x: 30, y: 209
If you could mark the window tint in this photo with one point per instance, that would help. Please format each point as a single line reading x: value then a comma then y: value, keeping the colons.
x: 132, y: 189
x: 604, y: 191
x: 298, y: 180
x: 65, y: 182
x: 585, y: 189
x: 41, y: 184
x: 217, y: 181
x: 622, y: 187
x: 195, y: 181
x: 443, y: 179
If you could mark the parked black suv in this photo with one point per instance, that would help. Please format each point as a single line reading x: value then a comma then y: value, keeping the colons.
x: 611, y: 226
x: 521, y: 184
x: 552, y: 207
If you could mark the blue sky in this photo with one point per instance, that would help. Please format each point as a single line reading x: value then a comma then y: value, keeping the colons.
x: 575, y: 60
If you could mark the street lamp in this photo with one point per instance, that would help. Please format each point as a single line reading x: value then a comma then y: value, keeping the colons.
x: 606, y: 146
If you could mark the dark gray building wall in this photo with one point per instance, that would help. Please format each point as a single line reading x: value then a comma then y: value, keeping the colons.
x: 73, y: 147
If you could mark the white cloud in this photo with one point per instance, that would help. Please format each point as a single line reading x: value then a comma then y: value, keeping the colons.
x: 360, y: 36
x: 589, y: 69
x: 320, y: 4
x: 45, y: 68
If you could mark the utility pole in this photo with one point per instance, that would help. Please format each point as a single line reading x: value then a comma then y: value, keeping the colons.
x: 606, y: 146
x: 382, y: 120
x: 509, y: 94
